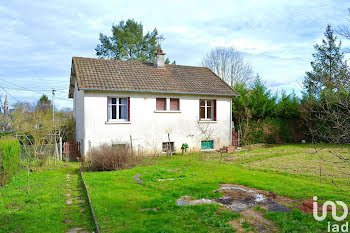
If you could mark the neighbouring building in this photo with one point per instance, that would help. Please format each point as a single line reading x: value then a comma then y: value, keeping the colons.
x: 115, y: 101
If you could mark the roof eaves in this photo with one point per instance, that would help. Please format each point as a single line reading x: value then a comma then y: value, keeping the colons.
x: 160, y: 92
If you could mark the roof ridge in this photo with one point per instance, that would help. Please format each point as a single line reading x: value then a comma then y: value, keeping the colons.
x: 103, y: 59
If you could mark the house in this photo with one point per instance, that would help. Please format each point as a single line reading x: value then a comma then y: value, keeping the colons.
x: 118, y: 101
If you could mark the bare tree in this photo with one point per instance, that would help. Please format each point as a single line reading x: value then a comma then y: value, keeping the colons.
x: 229, y: 64
x: 345, y: 30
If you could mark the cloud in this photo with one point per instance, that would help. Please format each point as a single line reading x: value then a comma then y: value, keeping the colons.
x: 277, y: 37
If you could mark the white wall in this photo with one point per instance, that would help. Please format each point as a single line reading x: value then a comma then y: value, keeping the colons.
x: 147, y: 127
x: 78, y: 108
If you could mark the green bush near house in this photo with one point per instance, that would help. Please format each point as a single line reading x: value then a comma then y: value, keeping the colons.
x: 9, y: 159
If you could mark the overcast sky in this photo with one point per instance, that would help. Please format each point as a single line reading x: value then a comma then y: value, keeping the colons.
x: 39, y: 38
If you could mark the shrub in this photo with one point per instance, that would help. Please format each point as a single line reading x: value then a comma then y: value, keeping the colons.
x: 9, y: 159
x: 109, y: 158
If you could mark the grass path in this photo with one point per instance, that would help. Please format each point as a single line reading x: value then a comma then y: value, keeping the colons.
x: 77, y: 213
x: 46, y: 209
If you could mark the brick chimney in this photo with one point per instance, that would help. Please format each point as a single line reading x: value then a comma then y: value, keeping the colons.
x: 159, y: 59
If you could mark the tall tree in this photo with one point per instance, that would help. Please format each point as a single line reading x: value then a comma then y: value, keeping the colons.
x: 229, y: 64
x: 128, y: 42
x: 329, y: 68
x: 44, y: 104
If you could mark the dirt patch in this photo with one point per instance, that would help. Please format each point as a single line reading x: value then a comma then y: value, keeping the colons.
x: 237, y: 225
x: 239, y: 198
x: 257, y: 220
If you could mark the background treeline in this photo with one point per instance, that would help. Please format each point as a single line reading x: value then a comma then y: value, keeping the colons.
x: 321, y: 114
x: 262, y: 117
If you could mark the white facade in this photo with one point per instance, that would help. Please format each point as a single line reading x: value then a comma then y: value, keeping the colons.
x: 147, y: 127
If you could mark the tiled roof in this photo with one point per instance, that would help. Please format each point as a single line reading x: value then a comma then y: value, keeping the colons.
x: 102, y: 74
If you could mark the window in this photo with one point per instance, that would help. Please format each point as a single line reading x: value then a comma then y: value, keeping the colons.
x: 118, y: 109
x: 165, y: 146
x: 207, y: 110
x: 174, y: 104
x: 205, y: 145
x: 161, y: 104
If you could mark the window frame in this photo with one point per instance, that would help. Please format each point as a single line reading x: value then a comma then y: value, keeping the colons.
x: 172, y: 146
x: 208, y: 141
x: 165, y: 104
x: 212, y: 111
x: 168, y: 105
x: 117, y: 104
x: 178, y: 104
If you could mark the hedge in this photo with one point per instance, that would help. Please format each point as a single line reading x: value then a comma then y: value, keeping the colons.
x: 9, y: 159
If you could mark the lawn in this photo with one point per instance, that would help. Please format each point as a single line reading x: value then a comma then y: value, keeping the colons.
x: 122, y: 204
x: 45, y: 209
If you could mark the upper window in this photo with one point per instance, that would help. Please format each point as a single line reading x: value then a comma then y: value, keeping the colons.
x: 118, y: 109
x: 174, y: 104
x: 161, y: 104
x: 207, y: 110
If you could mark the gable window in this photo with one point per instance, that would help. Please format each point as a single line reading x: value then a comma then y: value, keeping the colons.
x: 174, y: 104
x: 161, y: 104
x: 118, y: 109
x: 207, y: 110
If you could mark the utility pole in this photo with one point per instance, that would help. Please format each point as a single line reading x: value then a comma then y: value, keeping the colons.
x: 53, y: 107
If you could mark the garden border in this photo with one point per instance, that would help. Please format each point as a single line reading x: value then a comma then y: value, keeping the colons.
x: 90, y: 204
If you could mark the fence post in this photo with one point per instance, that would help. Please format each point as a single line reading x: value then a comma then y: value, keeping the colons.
x: 60, y: 148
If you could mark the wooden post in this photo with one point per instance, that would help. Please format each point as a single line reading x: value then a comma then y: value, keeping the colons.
x: 131, y: 143
x: 171, y: 153
x: 60, y: 148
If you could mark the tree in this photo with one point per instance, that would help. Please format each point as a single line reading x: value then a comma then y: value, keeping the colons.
x: 44, y: 104
x: 229, y: 64
x: 329, y: 68
x: 167, y: 61
x: 345, y: 30
x: 128, y: 42
x: 325, y: 106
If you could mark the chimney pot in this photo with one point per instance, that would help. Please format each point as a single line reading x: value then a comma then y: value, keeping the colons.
x: 159, y: 59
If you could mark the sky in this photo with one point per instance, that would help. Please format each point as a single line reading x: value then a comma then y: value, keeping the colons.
x: 39, y: 38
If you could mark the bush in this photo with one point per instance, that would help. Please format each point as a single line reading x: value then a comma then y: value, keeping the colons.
x: 9, y: 159
x: 109, y: 158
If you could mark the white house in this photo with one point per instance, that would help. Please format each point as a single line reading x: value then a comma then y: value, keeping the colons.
x: 118, y: 101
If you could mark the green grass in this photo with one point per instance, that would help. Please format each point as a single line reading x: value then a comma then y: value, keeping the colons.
x: 44, y: 210
x: 119, y: 201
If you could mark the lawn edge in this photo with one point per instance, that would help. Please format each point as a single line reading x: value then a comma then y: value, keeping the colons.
x: 90, y: 204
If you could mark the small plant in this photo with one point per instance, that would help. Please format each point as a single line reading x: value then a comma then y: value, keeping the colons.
x: 247, y: 227
x: 259, y: 208
x: 184, y: 148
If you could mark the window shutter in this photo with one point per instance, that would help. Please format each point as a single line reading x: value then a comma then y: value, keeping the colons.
x: 128, y: 108
x: 214, y: 110
x: 107, y: 108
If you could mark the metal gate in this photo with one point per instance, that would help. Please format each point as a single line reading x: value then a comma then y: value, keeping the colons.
x: 71, y: 151
x: 235, y: 139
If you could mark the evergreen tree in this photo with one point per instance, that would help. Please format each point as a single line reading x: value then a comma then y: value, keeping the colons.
x: 329, y: 68
x: 43, y: 104
x: 261, y: 102
x: 128, y: 43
